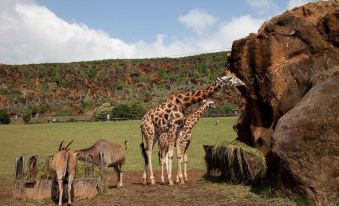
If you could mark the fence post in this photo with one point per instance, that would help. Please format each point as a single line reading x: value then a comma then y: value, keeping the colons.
x: 19, y: 167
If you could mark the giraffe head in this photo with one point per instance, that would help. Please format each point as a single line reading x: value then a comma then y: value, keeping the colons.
x: 210, y: 103
x: 230, y: 80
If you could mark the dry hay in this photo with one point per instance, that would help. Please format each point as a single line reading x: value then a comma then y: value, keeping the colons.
x: 44, y: 173
x: 235, y: 162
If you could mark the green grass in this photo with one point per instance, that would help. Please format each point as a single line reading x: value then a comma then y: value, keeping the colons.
x: 44, y: 139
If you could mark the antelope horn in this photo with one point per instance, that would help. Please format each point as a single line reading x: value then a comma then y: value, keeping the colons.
x: 61, y: 145
x: 68, y: 144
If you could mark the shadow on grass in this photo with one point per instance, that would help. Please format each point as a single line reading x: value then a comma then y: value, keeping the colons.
x: 266, y: 191
x: 261, y: 189
x: 219, y: 180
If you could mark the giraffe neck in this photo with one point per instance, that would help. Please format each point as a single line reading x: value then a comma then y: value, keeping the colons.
x: 192, y: 119
x: 189, y: 98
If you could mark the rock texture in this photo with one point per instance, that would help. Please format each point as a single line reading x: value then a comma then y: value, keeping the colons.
x: 48, y: 189
x: 290, y: 67
x: 305, y: 143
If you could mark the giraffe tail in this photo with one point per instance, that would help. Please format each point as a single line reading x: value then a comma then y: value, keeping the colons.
x: 143, y: 150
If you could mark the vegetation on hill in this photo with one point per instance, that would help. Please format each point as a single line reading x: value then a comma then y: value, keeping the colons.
x: 80, y: 87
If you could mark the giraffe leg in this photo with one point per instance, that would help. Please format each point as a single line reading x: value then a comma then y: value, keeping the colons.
x: 180, y: 150
x: 166, y: 162
x: 162, y: 154
x: 185, y: 166
x: 144, y: 176
x: 162, y: 172
x: 163, y: 162
x: 149, y: 156
x: 148, y: 132
x: 179, y: 175
x: 170, y: 160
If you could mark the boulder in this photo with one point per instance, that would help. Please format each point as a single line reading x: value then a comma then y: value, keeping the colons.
x: 278, y: 63
x: 304, y: 156
x: 290, y: 68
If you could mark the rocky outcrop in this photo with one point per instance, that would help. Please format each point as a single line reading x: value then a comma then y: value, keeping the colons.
x: 291, y: 69
x: 278, y: 63
x: 305, y: 143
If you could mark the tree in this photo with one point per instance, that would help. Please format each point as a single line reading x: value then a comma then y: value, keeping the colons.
x: 4, y: 117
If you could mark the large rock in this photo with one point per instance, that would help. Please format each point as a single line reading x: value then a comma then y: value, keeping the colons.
x: 305, y: 147
x: 278, y: 63
x: 291, y: 113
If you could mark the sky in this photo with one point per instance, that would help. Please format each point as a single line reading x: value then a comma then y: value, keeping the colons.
x: 40, y: 31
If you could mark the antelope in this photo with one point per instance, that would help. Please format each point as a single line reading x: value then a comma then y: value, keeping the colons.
x: 64, y: 164
x: 113, y: 155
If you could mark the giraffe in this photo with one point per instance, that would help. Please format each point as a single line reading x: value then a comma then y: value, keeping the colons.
x: 182, y: 143
x: 168, y: 117
x: 185, y: 138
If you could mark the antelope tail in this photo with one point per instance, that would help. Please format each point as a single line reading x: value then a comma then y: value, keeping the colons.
x: 125, y: 144
x: 143, y: 150
x: 66, y: 163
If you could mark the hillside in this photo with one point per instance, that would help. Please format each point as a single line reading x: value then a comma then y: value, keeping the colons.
x: 79, y: 87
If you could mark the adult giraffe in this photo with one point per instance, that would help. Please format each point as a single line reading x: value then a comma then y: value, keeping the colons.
x: 168, y: 117
x: 182, y: 143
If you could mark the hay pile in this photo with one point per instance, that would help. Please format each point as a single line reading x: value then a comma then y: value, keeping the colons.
x: 43, y: 173
x: 235, y: 162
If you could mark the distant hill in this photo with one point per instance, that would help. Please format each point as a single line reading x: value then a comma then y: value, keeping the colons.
x: 79, y: 87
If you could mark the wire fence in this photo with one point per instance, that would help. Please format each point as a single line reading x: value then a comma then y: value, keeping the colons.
x: 89, y: 118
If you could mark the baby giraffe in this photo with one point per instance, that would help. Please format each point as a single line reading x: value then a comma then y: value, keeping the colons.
x: 182, y: 143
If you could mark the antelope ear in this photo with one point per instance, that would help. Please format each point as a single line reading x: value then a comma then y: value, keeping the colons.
x: 204, y: 100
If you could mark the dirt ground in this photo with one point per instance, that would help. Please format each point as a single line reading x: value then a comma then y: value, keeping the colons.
x: 197, y: 191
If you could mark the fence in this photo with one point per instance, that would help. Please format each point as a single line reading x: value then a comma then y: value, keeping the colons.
x: 34, y: 181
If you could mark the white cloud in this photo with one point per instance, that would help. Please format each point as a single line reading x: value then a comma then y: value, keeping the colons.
x: 31, y: 33
x: 295, y: 3
x: 228, y: 32
x: 263, y: 6
x: 198, y: 20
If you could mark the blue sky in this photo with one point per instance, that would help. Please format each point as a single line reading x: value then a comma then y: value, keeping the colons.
x: 134, y: 20
x: 37, y: 31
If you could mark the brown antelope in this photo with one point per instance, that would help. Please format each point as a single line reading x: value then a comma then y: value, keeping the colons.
x: 64, y: 164
x: 113, y: 155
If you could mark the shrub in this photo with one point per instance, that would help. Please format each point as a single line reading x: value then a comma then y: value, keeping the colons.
x: 4, y: 117
x: 33, y: 110
x: 101, y: 112
x: 121, y: 111
x: 86, y: 104
x: 43, y: 108
x: 225, y: 110
x: 4, y: 91
x: 26, y: 116
x: 137, y: 110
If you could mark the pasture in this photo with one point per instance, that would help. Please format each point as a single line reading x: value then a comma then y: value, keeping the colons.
x: 43, y: 140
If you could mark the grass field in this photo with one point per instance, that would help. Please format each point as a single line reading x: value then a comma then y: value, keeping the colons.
x: 44, y: 139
